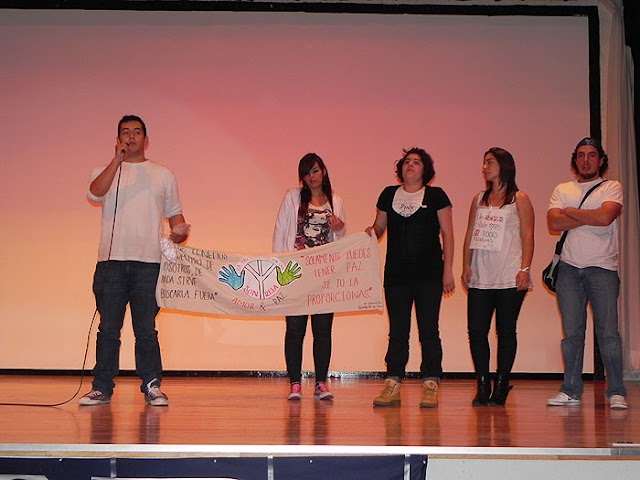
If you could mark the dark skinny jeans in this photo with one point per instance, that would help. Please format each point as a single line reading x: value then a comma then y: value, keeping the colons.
x: 427, y: 297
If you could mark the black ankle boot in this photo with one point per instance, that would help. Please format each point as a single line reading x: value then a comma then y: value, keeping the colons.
x: 501, y: 390
x: 483, y: 392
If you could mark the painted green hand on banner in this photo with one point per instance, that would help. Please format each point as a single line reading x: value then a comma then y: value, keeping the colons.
x: 290, y: 273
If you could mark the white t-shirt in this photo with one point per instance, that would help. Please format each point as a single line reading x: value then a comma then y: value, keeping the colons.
x: 589, y: 246
x: 147, y: 194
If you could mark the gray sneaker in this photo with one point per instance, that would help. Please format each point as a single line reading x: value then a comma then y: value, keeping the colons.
x: 153, y: 396
x: 95, y: 397
x: 618, y: 402
x: 563, y: 400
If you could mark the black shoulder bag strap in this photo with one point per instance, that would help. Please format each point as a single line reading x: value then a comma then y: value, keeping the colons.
x: 564, y: 234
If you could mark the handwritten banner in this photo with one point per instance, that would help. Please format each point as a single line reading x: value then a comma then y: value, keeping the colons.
x: 488, y: 229
x: 342, y: 276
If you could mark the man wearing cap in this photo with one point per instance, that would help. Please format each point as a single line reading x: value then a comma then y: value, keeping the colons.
x: 588, y: 271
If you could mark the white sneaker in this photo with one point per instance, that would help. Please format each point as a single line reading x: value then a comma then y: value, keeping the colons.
x: 618, y: 402
x: 563, y: 400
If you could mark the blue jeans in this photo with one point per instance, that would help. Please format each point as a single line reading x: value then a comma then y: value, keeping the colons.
x: 575, y: 288
x: 116, y: 284
x: 321, y: 325
x: 480, y: 307
x: 427, y: 297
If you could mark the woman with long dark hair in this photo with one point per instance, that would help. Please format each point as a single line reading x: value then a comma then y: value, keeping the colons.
x: 498, y: 248
x: 309, y: 216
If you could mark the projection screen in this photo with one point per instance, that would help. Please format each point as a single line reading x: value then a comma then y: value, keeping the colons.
x: 232, y: 101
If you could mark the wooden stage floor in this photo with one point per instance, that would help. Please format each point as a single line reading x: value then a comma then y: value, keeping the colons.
x: 237, y: 416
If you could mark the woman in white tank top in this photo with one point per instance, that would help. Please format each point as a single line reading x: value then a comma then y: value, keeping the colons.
x: 498, y: 249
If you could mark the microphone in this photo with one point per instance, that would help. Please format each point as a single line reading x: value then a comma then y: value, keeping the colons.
x: 123, y: 152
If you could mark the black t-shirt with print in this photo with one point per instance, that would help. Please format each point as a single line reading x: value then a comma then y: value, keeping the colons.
x: 414, y: 251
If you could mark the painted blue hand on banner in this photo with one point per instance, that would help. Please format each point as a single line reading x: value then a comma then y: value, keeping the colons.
x: 289, y: 274
x: 229, y: 276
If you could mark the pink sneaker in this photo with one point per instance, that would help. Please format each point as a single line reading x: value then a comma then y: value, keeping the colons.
x: 296, y: 391
x: 322, y: 392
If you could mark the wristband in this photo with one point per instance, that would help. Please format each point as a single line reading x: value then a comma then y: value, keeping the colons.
x: 525, y: 269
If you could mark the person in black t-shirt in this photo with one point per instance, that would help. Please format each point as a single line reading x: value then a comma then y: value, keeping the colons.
x: 418, y: 271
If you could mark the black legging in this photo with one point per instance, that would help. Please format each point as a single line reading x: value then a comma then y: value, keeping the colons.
x: 321, y: 325
x: 480, y: 307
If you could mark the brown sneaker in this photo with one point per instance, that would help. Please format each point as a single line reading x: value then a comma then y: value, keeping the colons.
x: 429, y: 394
x: 390, y: 395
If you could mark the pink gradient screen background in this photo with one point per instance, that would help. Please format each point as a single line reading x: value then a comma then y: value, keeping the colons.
x: 232, y: 101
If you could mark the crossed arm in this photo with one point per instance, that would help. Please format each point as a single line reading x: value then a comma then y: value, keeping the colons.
x: 568, y: 218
